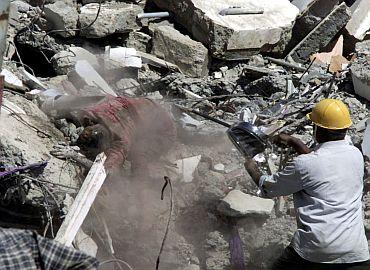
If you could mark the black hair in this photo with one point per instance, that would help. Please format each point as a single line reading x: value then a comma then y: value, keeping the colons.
x: 325, y: 135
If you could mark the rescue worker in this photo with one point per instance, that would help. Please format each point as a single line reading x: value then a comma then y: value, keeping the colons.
x: 327, y: 187
x: 124, y: 128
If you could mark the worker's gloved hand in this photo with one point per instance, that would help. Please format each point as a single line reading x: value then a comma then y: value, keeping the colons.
x: 63, y: 151
x: 282, y: 139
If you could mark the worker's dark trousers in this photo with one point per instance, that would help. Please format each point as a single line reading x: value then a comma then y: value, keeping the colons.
x: 290, y: 260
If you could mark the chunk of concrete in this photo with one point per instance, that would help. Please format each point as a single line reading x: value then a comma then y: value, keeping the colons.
x: 64, y: 61
x: 219, y: 168
x: 239, y: 204
x: 359, y: 24
x: 61, y: 16
x: 363, y: 48
x: 138, y: 40
x: 311, y: 15
x: 236, y: 36
x: 127, y: 57
x: 11, y: 80
x: 187, y: 167
x: 114, y: 17
x: 189, y: 55
x: 322, y: 34
x: 85, y: 74
x: 360, y: 71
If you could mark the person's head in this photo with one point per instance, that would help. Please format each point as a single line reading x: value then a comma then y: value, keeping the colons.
x: 91, y: 140
x: 331, y: 119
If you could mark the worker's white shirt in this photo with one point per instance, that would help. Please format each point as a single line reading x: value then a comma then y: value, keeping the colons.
x: 327, y: 185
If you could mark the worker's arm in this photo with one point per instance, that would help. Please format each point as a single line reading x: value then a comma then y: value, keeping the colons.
x: 295, y: 143
x: 285, y: 182
x: 253, y: 170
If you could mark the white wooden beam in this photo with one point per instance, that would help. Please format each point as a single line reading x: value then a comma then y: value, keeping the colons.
x: 83, y: 202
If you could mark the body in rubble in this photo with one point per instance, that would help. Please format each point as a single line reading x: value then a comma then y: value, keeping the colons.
x: 135, y: 129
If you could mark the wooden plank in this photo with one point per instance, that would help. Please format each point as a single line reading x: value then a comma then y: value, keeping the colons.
x: 83, y: 202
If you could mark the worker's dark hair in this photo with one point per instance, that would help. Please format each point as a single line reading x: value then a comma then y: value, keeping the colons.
x: 325, y: 135
x: 92, y: 140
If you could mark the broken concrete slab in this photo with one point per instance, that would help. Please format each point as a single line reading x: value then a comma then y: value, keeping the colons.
x: 64, y: 61
x: 311, y: 15
x: 11, y: 80
x: 362, y: 48
x: 85, y: 74
x: 187, y: 120
x: 31, y: 80
x: 360, y: 71
x: 239, y: 204
x: 126, y: 57
x: 4, y: 11
x: 322, y: 34
x: 237, y: 36
x: 138, y: 40
x: 114, y: 17
x: 359, y: 24
x: 189, y: 55
x: 61, y: 16
x: 187, y: 167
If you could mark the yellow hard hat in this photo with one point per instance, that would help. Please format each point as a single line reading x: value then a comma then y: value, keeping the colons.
x: 330, y: 114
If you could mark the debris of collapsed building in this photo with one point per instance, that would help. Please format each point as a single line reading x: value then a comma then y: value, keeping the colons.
x: 210, y: 64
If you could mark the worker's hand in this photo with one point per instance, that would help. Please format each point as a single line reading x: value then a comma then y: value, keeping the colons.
x: 63, y: 151
x: 282, y: 139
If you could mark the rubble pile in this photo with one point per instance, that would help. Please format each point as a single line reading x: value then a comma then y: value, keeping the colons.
x: 263, y: 62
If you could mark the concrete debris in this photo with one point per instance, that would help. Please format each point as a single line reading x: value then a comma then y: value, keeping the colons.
x: 219, y: 168
x: 31, y: 80
x: 182, y: 63
x: 322, y: 34
x: 312, y: 13
x: 115, y: 17
x: 61, y: 16
x: 187, y: 120
x: 359, y: 24
x: 85, y: 74
x: 127, y: 57
x: 139, y: 41
x: 64, y: 61
x: 360, y: 71
x: 4, y: 11
x: 11, y: 80
x: 170, y: 45
x: 235, y: 37
x: 217, y: 252
x: 187, y: 167
x: 239, y: 204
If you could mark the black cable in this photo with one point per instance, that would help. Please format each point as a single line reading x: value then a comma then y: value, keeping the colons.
x: 167, y: 182
x: 75, y: 29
